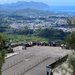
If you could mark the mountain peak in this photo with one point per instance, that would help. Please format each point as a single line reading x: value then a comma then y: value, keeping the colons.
x: 24, y: 5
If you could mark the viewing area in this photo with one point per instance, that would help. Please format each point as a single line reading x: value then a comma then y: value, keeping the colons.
x: 35, y: 60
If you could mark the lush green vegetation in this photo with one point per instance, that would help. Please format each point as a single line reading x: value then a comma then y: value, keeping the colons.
x: 17, y: 38
x: 2, y: 50
x: 28, y: 34
x: 72, y: 63
x: 70, y: 41
x: 2, y: 41
x: 51, y: 34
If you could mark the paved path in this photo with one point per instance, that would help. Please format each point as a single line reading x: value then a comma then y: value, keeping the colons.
x: 32, y: 61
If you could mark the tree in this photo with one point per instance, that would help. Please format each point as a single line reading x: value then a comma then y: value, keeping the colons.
x: 72, y: 63
x: 2, y: 51
x: 52, y: 34
x: 71, y: 43
x: 2, y: 59
x: 2, y: 41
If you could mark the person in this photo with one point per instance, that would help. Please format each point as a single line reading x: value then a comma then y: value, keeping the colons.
x: 51, y: 73
x: 62, y: 46
x: 25, y: 47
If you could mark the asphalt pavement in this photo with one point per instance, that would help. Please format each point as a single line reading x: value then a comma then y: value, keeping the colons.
x: 33, y: 60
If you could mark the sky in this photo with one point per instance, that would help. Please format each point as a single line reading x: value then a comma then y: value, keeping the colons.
x: 49, y: 2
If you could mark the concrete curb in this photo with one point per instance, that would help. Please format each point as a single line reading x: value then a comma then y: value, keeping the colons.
x: 11, y: 55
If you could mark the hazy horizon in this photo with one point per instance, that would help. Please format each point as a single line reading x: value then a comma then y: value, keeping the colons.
x: 49, y: 2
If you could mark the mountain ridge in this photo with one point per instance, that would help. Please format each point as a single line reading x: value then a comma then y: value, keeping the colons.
x: 35, y: 6
x: 24, y: 5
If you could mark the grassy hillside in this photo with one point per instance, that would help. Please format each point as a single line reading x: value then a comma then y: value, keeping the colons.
x: 17, y: 38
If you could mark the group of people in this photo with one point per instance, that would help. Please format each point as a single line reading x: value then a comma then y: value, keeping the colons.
x: 30, y: 44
